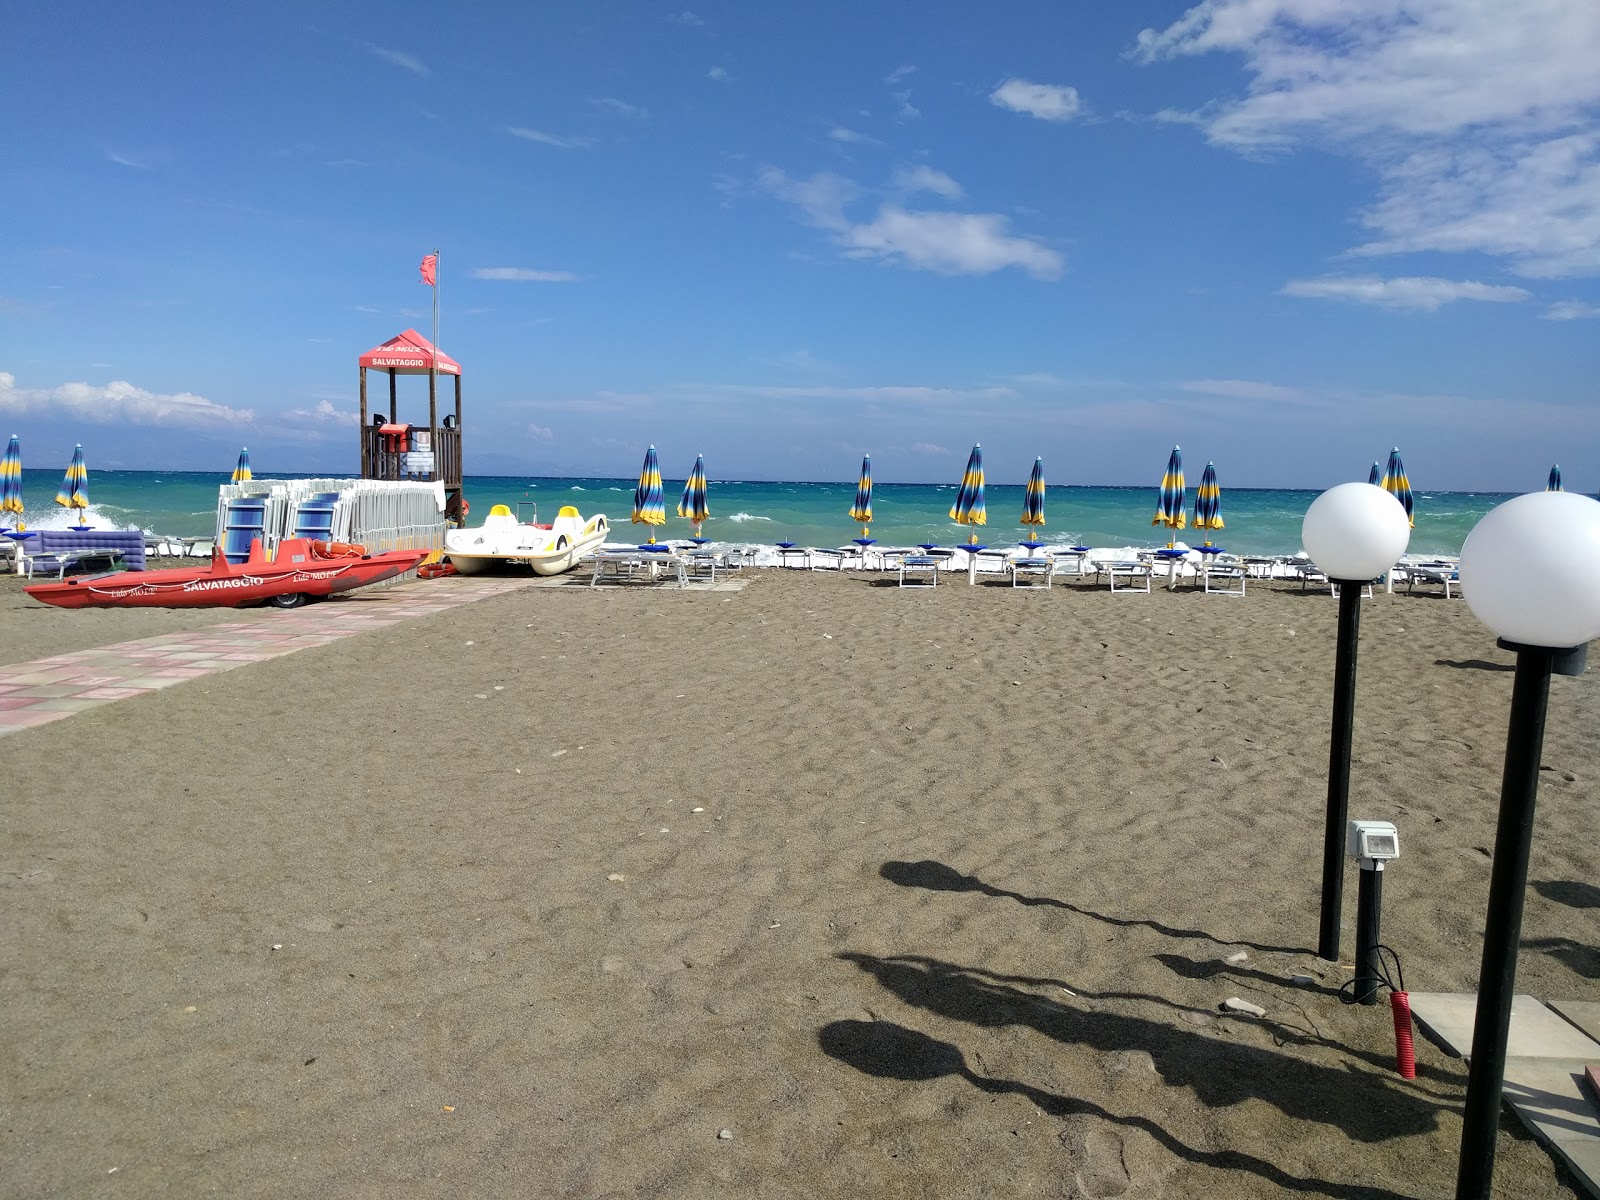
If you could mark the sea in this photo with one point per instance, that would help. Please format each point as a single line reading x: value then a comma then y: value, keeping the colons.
x: 756, y: 515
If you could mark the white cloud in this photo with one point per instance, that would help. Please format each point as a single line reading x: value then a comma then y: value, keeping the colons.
x: 685, y: 17
x: 1479, y: 118
x: 523, y: 275
x: 1571, y: 310
x: 1047, y: 101
x: 928, y: 448
x: 129, y: 158
x: 409, y: 62
x: 896, y: 394
x: 950, y: 243
x: 118, y: 402
x: 717, y: 73
x: 541, y: 432
x: 926, y: 179
x: 611, y: 106
x: 902, y: 96
x: 943, y: 242
x: 1411, y: 292
x: 325, y: 414
x: 1243, y: 389
x: 549, y: 139
x: 851, y: 137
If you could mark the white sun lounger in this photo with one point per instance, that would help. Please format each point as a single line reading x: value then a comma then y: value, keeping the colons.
x: 919, y: 570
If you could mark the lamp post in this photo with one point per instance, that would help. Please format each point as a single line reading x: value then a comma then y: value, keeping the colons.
x: 1354, y: 533
x: 1547, y: 619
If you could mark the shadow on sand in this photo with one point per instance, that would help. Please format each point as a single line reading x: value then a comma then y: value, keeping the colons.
x: 937, y: 877
x: 889, y: 1051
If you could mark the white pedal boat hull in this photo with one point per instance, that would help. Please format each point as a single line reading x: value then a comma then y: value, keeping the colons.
x: 501, y: 542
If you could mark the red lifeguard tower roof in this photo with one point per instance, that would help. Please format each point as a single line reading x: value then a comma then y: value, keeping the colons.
x: 408, y: 353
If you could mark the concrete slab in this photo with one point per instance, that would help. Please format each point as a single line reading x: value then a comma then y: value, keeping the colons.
x: 1535, y: 1032
x: 1585, y: 1014
x: 1549, y: 1095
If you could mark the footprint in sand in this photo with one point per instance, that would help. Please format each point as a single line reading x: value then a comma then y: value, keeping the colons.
x: 1099, y: 1171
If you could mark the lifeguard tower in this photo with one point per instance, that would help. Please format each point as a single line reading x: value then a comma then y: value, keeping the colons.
x: 393, y: 449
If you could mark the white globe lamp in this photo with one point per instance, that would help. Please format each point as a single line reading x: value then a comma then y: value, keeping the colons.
x: 1355, y: 531
x: 1530, y: 570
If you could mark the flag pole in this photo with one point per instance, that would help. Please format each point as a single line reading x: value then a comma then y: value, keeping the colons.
x: 433, y: 384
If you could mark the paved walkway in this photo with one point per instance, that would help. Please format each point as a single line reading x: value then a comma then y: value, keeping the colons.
x: 39, y: 692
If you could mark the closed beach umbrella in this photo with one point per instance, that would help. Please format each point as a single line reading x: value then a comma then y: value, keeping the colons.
x: 11, y: 479
x: 1398, y: 486
x: 1169, y: 506
x: 1553, y: 484
x: 693, y: 504
x: 968, y: 508
x: 1208, y: 502
x: 649, y: 508
x: 241, y: 473
x: 1375, y: 476
x: 1033, y: 502
x: 74, y: 491
x: 861, y: 510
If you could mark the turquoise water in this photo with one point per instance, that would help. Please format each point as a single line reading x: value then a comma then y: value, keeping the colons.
x: 1259, y: 521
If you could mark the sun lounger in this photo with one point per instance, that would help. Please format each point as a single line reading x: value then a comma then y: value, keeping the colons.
x: 702, y: 564
x: 797, y: 557
x: 1227, y: 574
x: 625, y: 566
x: 56, y: 552
x: 919, y: 570
x: 888, y: 558
x: 1444, y: 575
x: 1030, y: 572
x: 1070, y: 562
x: 1132, y: 575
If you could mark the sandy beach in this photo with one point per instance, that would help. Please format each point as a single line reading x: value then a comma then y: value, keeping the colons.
x: 910, y: 893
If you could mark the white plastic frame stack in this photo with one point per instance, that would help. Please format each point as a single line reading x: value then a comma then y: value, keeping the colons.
x: 379, y: 514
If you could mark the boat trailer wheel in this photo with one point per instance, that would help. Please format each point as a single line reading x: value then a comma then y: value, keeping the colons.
x: 287, y: 600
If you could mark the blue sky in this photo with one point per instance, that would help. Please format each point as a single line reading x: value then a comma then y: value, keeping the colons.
x: 1286, y: 234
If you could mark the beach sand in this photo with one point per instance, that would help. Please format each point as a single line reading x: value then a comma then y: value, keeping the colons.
x: 913, y: 893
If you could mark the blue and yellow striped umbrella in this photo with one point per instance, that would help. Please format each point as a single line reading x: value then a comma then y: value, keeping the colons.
x: 1553, y: 484
x: 649, y: 507
x: 1398, y: 486
x: 1033, y: 501
x: 968, y: 508
x: 693, y: 504
x: 1169, y: 507
x: 1208, y: 502
x: 11, y: 478
x: 1375, y: 476
x: 241, y: 473
x: 74, y: 491
x: 861, y: 510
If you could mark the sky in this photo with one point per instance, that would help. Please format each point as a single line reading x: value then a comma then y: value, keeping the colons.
x: 1284, y: 234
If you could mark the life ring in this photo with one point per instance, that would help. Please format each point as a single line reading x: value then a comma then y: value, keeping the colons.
x: 465, y: 508
x: 437, y: 570
x: 338, y: 549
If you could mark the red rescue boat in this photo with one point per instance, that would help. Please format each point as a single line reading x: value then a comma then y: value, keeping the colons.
x: 301, y: 570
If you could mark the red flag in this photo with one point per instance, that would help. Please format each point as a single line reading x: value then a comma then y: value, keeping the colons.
x: 430, y: 268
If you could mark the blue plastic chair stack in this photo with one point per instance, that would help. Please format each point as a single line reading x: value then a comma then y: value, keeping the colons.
x: 314, y: 519
x: 246, y: 521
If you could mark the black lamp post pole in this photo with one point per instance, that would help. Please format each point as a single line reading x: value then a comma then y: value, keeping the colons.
x: 1344, y: 711
x: 1498, y: 976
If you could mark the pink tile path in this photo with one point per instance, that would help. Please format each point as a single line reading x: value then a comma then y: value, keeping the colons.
x: 52, y: 688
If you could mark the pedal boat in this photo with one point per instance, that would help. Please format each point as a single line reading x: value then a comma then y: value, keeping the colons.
x: 301, y: 570
x: 503, y: 541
